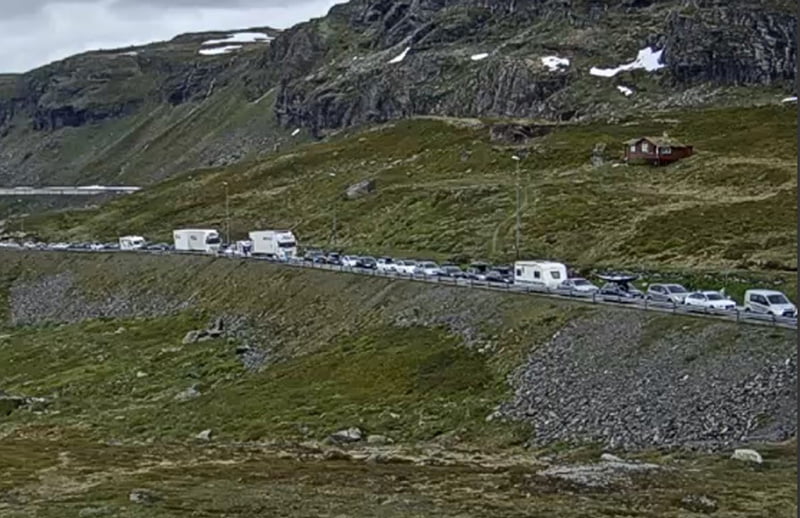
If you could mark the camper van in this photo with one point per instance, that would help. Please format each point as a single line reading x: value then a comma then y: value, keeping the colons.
x: 131, y: 243
x: 196, y: 240
x: 278, y: 244
x: 543, y: 274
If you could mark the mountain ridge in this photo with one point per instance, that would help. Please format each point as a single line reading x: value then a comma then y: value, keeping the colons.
x: 142, y: 114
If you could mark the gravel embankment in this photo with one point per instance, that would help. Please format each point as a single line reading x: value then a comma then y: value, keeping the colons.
x: 57, y: 299
x: 614, y: 379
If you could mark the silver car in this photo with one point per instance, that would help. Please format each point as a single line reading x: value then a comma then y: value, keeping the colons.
x: 674, y: 293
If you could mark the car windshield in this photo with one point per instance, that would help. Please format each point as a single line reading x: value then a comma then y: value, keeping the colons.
x: 212, y: 240
x: 580, y: 282
x: 428, y: 265
x: 714, y: 296
x: 676, y: 288
x: 288, y: 244
x: 451, y: 268
x: 778, y: 299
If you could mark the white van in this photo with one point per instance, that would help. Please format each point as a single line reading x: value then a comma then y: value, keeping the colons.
x: 131, y: 243
x: 196, y: 240
x: 770, y: 302
x: 544, y: 274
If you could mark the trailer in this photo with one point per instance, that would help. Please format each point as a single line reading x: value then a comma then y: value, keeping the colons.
x: 544, y: 274
x: 131, y: 243
x: 196, y: 240
x: 276, y: 244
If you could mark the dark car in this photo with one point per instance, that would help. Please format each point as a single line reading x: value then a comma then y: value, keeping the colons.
x: 368, y: 262
x: 478, y: 271
x: 497, y: 276
x: 451, y: 270
x: 158, y: 247
x: 333, y: 258
x: 620, y: 290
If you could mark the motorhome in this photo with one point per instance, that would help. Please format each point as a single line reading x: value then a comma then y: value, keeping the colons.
x: 131, y: 243
x: 278, y: 244
x: 543, y: 274
x: 197, y: 240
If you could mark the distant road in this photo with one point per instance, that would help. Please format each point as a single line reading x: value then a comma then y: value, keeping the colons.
x: 88, y: 190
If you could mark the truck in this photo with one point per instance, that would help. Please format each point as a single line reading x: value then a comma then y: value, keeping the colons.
x: 196, y: 240
x: 276, y: 244
x: 542, y: 274
x: 131, y: 243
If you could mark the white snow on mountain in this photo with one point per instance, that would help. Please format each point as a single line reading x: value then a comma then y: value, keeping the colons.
x: 625, y: 90
x: 401, y: 56
x: 478, y: 57
x: 131, y: 53
x: 219, y: 50
x: 555, y: 63
x: 296, y: 132
x: 647, y: 59
x: 790, y: 100
x: 241, y: 37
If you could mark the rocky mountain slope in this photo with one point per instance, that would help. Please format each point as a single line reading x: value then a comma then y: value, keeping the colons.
x: 140, y: 115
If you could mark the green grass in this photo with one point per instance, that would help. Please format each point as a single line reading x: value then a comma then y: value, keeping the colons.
x: 445, y: 190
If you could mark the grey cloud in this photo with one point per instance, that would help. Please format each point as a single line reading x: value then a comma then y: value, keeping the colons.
x: 35, y: 32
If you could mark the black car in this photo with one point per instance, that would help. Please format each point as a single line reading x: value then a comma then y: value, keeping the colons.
x: 157, y: 247
x: 333, y: 258
x: 497, y: 276
x: 478, y: 271
x: 451, y: 270
x: 620, y: 290
x: 368, y: 262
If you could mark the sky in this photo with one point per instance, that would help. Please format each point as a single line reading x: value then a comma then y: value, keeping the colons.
x: 37, y: 32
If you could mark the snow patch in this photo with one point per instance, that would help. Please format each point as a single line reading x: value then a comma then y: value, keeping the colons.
x: 219, y: 50
x: 400, y: 57
x: 625, y: 90
x: 478, y: 57
x: 647, y: 59
x: 131, y: 53
x: 555, y: 63
x: 792, y: 99
x: 296, y: 132
x: 241, y: 37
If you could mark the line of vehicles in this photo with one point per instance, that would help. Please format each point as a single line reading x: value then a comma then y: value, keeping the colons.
x: 281, y: 245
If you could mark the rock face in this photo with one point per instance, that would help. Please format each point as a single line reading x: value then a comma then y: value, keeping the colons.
x: 340, y: 70
x: 360, y: 189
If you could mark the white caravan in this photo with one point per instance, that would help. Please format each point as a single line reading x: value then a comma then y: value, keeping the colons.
x: 196, y: 240
x: 131, y: 243
x: 544, y: 274
x: 280, y: 244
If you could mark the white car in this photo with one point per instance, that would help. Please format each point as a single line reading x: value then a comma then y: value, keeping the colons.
x: 578, y: 285
x: 429, y: 269
x: 385, y: 264
x: 407, y: 267
x: 97, y: 247
x: 351, y: 261
x: 769, y: 302
x: 60, y: 246
x: 710, y: 300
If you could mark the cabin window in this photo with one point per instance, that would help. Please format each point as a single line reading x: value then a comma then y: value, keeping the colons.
x: 555, y: 275
x: 537, y: 275
x: 519, y: 272
x: 666, y: 150
x: 633, y: 148
x: 645, y: 147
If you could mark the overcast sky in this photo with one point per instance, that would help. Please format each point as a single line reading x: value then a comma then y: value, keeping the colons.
x: 36, y: 32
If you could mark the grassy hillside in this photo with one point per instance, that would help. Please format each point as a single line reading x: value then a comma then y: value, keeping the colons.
x: 340, y: 352
x: 445, y: 190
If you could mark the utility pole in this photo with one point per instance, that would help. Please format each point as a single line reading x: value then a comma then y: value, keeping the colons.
x: 516, y: 246
x: 227, y: 215
x: 333, y: 229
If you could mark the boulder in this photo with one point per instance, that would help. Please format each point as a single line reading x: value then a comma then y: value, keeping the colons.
x: 346, y: 436
x: 10, y: 403
x: 141, y: 374
x: 699, y: 504
x: 205, y: 435
x: 746, y: 455
x: 188, y: 394
x: 360, y: 189
x: 607, y: 457
x: 191, y: 337
x: 142, y: 496
x: 599, y: 155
